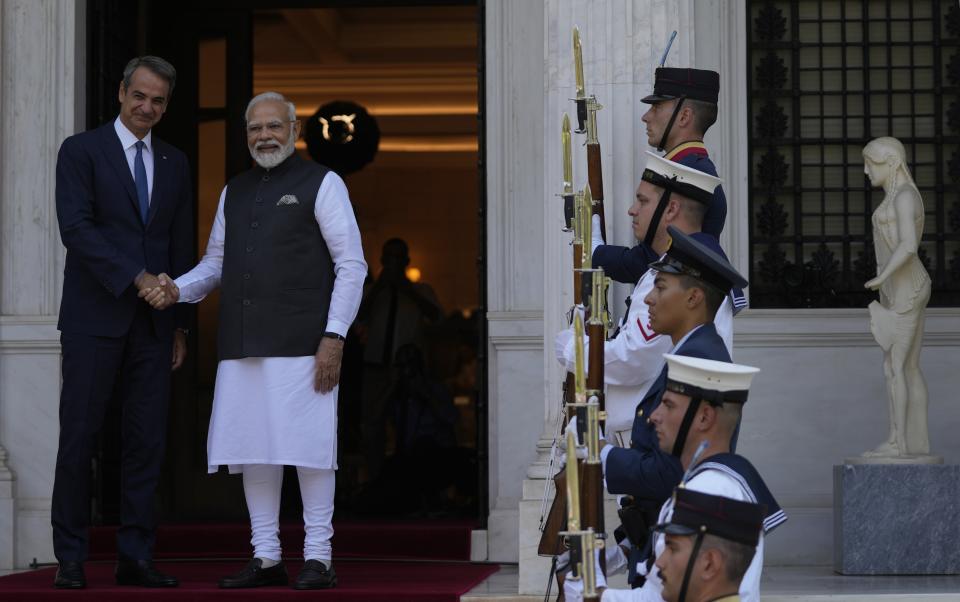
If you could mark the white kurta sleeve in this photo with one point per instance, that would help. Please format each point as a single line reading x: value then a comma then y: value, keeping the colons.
x: 205, y: 277
x: 338, y: 226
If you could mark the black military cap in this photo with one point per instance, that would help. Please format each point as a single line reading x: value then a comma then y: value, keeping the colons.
x: 695, y: 512
x: 696, y: 84
x: 689, y: 257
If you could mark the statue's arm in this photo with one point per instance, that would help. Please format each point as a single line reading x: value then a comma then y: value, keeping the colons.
x: 906, y: 205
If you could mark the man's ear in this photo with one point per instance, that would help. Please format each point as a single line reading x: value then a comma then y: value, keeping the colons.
x: 695, y: 297
x: 673, y: 210
x: 706, y: 416
x: 685, y: 117
x: 711, y: 563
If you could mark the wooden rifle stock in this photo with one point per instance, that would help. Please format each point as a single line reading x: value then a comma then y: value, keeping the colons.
x: 591, y: 505
x: 551, y: 543
x: 595, y: 177
x: 591, y: 496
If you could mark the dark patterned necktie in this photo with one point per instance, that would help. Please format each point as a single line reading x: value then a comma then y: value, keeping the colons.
x: 140, y: 179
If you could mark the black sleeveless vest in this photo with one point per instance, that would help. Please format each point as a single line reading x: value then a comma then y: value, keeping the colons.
x: 277, y: 272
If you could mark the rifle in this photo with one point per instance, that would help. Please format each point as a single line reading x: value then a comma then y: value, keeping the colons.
x: 597, y: 325
x: 551, y: 542
x: 587, y: 107
x: 583, y: 541
x: 576, y: 218
x: 594, y: 411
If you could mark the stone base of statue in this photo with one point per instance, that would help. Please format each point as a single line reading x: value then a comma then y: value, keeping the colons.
x: 896, y: 518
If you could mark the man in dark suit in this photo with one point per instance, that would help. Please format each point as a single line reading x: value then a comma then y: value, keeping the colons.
x: 126, y: 214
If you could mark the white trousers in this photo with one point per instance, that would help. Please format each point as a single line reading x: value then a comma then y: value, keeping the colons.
x: 261, y: 487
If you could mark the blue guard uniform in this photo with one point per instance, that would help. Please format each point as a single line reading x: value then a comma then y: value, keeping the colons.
x: 643, y: 471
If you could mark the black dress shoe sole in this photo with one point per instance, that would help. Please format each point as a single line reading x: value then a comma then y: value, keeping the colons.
x: 269, y: 582
x: 70, y: 584
x: 330, y: 584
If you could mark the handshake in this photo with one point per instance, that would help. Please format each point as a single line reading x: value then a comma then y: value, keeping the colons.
x: 159, y: 291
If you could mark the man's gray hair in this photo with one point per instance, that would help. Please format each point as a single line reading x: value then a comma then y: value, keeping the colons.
x: 291, y: 109
x: 155, y: 64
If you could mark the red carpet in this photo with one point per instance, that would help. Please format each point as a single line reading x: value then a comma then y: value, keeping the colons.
x: 359, y: 581
x: 418, y: 540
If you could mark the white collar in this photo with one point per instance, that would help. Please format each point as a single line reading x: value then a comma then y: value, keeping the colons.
x: 128, y: 138
x: 685, y: 337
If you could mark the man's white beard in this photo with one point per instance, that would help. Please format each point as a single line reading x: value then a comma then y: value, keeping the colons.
x: 271, y: 160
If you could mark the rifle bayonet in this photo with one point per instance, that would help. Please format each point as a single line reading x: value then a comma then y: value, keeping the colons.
x: 580, y: 98
x: 573, y: 485
x: 579, y: 378
x: 568, y: 196
x: 587, y: 107
x: 586, y: 228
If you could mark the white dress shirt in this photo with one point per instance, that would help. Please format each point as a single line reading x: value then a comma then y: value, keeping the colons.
x: 129, y: 143
x: 265, y: 410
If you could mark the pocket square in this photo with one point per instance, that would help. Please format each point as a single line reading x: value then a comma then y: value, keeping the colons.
x: 288, y: 199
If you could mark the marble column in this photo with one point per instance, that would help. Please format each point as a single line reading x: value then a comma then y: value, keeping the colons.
x: 622, y: 42
x: 41, y: 71
x: 513, y: 83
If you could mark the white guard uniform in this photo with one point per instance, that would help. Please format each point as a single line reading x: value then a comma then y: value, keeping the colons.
x: 713, y: 482
x: 633, y: 360
x: 265, y: 410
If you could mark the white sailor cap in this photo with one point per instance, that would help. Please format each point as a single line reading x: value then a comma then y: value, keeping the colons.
x: 683, y: 180
x: 711, y: 381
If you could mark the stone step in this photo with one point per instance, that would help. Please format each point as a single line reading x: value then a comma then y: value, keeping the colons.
x: 780, y: 584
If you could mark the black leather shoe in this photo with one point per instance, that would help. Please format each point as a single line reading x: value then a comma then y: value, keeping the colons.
x: 253, y: 575
x: 70, y: 576
x: 142, y: 574
x: 315, y: 575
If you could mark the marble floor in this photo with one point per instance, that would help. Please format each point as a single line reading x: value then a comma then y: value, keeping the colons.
x: 780, y: 584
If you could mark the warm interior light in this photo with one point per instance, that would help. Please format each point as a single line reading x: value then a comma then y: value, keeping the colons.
x: 413, y: 274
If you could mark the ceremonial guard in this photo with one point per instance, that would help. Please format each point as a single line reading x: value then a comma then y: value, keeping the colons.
x: 634, y: 357
x: 683, y: 107
x: 699, y: 412
x: 285, y: 252
x: 709, y: 543
x: 690, y: 285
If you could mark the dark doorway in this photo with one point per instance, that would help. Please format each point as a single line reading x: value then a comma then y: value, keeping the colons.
x: 414, y: 66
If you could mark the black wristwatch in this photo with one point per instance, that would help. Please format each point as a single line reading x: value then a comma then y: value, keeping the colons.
x: 333, y: 335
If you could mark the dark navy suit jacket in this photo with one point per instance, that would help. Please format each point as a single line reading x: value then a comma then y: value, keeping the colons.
x: 643, y: 470
x: 107, y: 242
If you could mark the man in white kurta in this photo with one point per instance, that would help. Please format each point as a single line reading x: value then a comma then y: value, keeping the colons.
x: 274, y: 411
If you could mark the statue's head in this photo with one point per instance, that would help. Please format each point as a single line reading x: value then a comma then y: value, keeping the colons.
x: 883, y: 157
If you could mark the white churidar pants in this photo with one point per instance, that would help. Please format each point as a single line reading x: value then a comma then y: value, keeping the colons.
x: 261, y: 487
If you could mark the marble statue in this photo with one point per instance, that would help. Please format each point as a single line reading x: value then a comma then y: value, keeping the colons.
x: 896, y: 320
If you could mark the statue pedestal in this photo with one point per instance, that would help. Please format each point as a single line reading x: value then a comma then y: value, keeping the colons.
x: 896, y: 519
